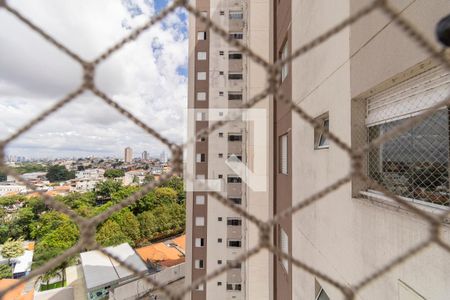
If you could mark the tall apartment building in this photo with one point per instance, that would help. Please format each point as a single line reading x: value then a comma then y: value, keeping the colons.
x: 128, y: 154
x: 221, y: 79
x: 360, y: 83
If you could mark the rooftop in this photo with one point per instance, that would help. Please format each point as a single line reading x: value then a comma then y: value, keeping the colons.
x: 100, y: 270
x: 16, y: 293
x: 167, y: 253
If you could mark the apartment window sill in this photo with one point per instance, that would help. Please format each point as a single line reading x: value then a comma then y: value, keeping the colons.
x: 379, y: 198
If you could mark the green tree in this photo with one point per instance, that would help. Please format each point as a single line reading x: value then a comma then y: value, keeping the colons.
x: 129, y: 224
x: 20, y: 225
x: 163, y: 221
x: 110, y: 234
x: 59, y: 173
x: 114, y: 173
x: 165, y: 195
x: 4, y: 233
x: 54, y: 243
x: 177, y: 184
x: 149, y: 225
x: 47, y: 223
x: 106, y: 188
x: 5, y: 271
x: 12, y: 248
x: 36, y: 204
x: 3, y: 176
x: 149, y: 178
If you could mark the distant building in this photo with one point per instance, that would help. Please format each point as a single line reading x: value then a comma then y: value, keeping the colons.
x: 163, y: 157
x: 12, y: 189
x: 144, y: 155
x: 128, y: 155
x: 135, y: 176
x: 165, y: 254
x: 92, y: 174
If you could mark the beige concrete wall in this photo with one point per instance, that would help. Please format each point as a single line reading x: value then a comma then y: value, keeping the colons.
x: 350, y: 238
x: 259, y: 203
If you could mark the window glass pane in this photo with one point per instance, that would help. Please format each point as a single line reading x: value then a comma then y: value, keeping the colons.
x: 284, y: 154
x: 414, y: 164
x: 201, y: 35
x: 201, y: 75
x: 323, y: 295
x: 284, y: 246
x: 284, y: 55
x: 201, y: 55
x: 236, y: 15
x: 323, y: 141
x: 201, y: 96
x: 200, y: 199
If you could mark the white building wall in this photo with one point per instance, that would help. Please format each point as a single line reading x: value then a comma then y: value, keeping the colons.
x: 350, y: 238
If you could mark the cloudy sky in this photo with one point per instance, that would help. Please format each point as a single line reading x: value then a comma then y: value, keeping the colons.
x: 147, y: 77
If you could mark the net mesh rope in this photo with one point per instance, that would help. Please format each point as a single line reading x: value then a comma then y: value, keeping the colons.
x: 374, y: 180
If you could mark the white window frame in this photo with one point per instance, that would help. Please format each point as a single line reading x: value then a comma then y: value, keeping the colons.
x: 284, y: 55
x: 201, y: 35
x: 320, y: 140
x: 284, y: 154
x: 284, y: 246
x: 199, y: 262
x: 199, y: 221
x: 201, y: 96
x: 199, y: 242
x: 201, y: 55
x: 201, y: 76
x: 200, y: 199
x: 236, y: 15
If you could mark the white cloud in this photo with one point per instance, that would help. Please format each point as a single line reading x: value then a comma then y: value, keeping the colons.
x: 143, y: 77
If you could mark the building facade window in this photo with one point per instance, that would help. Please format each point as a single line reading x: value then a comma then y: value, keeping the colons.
x: 200, y: 199
x: 320, y: 139
x: 235, y: 200
x: 234, y: 179
x: 201, y: 96
x: 200, y: 287
x: 201, y: 116
x: 284, y: 246
x: 199, y: 242
x: 201, y: 75
x: 199, y: 221
x: 201, y: 35
x: 234, y: 221
x: 232, y: 156
x: 199, y: 264
x: 234, y: 287
x: 234, y: 95
x: 236, y: 35
x: 284, y: 154
x: 235, y: 76
x: 234, y: 137
x: 283, y: 55
x: 236, y: 15
x: 201, y: 55
x: 234, y: 243
x: 234, y: 55
x: 415, y: 163
x: 201, y: 157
